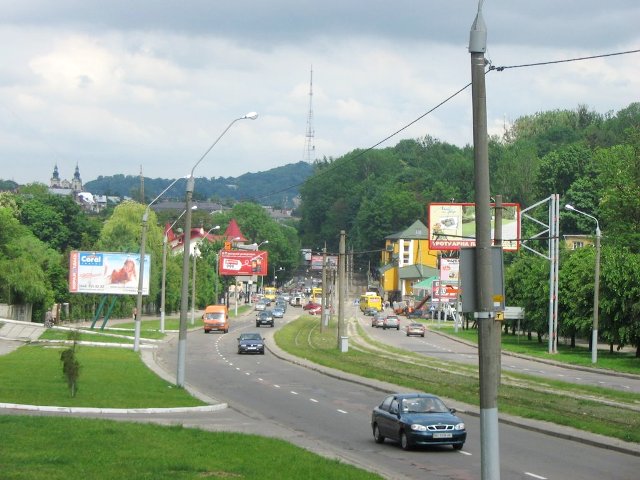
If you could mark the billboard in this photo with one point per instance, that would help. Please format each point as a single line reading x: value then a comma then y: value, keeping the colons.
x: 243, y: 262
x: 107, y: 273
x: 453, y: 226
x: 316, y: 262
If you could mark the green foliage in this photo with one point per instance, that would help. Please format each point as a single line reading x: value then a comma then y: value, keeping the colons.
x: 70, y: 364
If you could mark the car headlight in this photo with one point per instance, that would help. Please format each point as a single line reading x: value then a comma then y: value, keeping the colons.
x: 459, y: 426
x: 418, y: 428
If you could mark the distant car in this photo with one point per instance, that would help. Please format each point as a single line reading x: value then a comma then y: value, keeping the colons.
x: 277, y: 311
x: 311, y: 305
x: 250, y: 343
x: 378, y: 319
x: 419, y: 313
x: 391, y: 321
x: 370, y: 311
x: 417, y: 419
x: 415, y: 329
x: 260, y: 305
x: 315, y: 310
x: 264, y: 317
x: 282, y: 304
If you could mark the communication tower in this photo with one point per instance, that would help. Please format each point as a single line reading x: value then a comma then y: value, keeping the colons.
x: 309, y: 147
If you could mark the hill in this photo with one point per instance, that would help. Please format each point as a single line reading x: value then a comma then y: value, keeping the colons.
x: 277, y: 186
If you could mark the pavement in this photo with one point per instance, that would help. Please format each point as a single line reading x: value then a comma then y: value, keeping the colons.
x: 14, y: 334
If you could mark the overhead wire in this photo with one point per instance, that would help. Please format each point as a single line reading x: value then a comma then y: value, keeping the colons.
x: 450, y: 97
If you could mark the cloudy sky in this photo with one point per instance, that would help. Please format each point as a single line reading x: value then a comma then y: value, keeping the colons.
x: 118, y: 86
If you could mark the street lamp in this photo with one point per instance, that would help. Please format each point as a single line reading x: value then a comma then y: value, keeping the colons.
x: 262, y: 276
x: 164, y: 268
x: 596, y: 286
x: 196, y: 252
x: 275, y: 284
x: 143, y: 241
x: 182, y: 336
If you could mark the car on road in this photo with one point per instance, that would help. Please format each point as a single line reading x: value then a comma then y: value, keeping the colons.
x: 370, y: 311
x: 250, y: 343
x: 377, y: 319
x: 311, y: 305
x: 261, y: 305
x: 277, y: 311
x: 264, y: 317
x: 315, y: 310
x: 391, y: 321
x: 419, y: 313
x: 415, y: 328
x: 414, y: 419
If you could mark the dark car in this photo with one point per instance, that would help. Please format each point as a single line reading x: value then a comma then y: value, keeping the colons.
x: 415, y: 329
x: 419, y: 313
x: 417, y: 419
x: 264, y: 318
x: 250, y: 343
x: 370, y: 311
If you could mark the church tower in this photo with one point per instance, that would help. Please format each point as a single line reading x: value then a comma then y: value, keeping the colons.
x: 76, y: 183
x: 54, y: 182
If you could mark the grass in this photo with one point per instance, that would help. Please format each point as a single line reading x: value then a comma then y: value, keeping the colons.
x: 619, y: 361
x: 593, y: 409
x: 52, y: 448
x: 109, y: 377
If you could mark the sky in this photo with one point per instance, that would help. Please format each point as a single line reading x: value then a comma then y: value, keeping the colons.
x: 124, y: 87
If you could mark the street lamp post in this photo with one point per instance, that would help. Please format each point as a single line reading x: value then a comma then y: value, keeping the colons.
x: 196, y: 253
x: 182, y: 335
x: 262, y: 276
x: 596, y: 285
x: 143, y: 241
x: 164, y: 269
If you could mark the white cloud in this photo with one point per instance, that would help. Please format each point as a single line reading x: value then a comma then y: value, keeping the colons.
x: 115, y: 86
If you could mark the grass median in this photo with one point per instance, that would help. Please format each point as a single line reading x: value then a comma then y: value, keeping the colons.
x: 592, y: 409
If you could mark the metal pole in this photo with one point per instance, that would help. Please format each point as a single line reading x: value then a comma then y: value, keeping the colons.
x: 164, y: 281
x: 487, y: 326
x: 193, y: 289
x: 325, y: 313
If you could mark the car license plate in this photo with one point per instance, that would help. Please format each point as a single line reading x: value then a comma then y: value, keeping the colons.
x: 442, y: 435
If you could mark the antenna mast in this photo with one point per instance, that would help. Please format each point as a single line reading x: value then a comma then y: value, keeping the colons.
x: 309, y: 147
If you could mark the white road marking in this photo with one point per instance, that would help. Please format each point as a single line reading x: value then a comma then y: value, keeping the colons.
x: 342, y: 411
x: 294, y: 393
x: 313, y: 400
x: 535, y: 476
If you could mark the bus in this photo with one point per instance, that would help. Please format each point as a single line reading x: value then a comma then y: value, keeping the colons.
x: 270, y: 293
x: 370, y: 300
x: 316, y: 294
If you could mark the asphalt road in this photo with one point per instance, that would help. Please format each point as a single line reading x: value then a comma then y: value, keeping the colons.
x: 329, y: 415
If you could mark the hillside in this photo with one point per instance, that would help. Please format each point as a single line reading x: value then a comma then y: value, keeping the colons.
x: 277, y: 186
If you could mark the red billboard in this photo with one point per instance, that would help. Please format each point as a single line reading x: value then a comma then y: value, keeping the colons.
x: 242, y: 262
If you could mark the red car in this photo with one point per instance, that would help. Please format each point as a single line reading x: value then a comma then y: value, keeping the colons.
x: 311, y: 306
x: 316, y: 310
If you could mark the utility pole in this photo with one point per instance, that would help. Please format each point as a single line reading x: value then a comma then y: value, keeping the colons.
x: 342, y: 337
x: 324, y: 315
x: 488, y: 327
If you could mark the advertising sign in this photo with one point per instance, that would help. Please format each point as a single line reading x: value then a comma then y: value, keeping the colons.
x: 453, y: 226
x: 316, y: 262
x: 107, y: 273
x: 444, y: 292
x: 449, y: 269
x: 243, y: 262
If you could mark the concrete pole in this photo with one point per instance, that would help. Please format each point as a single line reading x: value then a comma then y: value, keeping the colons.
x: 325, y: 311
x: 596, y: 299
x: 342, y: 336
x: 184, y: 300
x: 488, y: 328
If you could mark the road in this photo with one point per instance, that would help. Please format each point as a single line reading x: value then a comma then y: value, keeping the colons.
x: 329, y: 415
x: 446, y: 348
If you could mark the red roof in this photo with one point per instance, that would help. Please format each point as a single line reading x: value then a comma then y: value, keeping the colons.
x: 233, y: 232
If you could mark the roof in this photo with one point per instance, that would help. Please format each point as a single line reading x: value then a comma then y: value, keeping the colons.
x: 416, y: 271
x: 233, y: 232
x: 417, y: 231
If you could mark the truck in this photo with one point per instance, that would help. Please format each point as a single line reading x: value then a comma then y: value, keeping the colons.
x: 296, y: 301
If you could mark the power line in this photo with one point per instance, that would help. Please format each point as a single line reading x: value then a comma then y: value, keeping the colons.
x: 551, y: 62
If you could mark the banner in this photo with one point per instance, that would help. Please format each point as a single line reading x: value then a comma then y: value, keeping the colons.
x: 453, y: 225
x: 316, y: 262
x: 243, y: 262
x: 107, y: 273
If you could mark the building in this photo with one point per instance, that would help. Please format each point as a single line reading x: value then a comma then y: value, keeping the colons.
x: 406, y: 260
x: 573, y: 242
